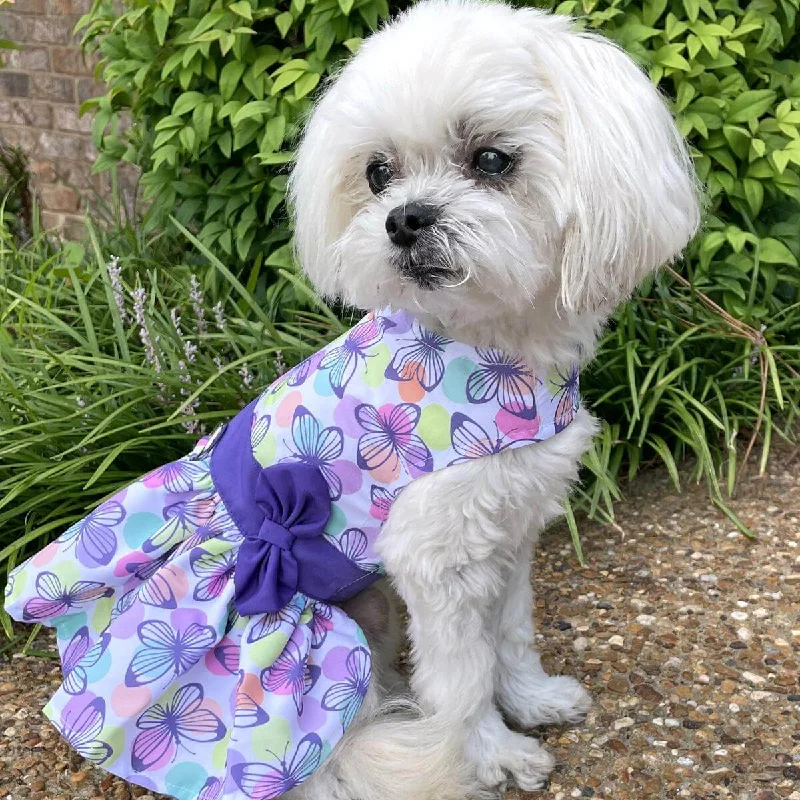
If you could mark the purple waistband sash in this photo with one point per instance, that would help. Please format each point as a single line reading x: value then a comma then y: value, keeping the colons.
x: 282, y: 511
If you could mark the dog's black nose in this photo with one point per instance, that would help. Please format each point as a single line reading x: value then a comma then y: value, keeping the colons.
x: 404, y: 223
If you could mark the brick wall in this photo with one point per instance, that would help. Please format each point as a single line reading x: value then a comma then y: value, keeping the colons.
x: 41, y: 88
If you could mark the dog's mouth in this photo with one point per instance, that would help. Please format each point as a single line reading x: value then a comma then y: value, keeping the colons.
x: 425, y: 266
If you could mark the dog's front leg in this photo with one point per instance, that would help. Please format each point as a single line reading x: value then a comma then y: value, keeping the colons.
x: 450, y: 576
x: 525, y: 691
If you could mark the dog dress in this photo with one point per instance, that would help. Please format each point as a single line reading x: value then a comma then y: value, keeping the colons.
x: 203, y: 652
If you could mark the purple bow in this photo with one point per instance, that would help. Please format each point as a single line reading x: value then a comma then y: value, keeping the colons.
x: 296, y: 504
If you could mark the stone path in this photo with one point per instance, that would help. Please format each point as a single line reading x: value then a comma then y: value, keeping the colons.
x: 686, y: 633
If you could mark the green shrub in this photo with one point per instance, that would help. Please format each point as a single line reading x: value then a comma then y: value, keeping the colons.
x: 216, y: 90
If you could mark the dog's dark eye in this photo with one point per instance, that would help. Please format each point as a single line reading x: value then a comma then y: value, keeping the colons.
x: 492, y: 162
x: 379, y: 173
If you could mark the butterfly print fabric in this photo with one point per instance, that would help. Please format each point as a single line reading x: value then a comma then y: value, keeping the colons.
x: 179, y: 677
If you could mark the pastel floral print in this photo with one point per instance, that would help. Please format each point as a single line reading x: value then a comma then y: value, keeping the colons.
x: 54, y: 599
x: 390, y: 438
x: 179, y: 476
x: 94, y: 537
x: 342, y: 360
x: 471, y: 441
x: 81, y: 726
x: 381, y: 501
x: 567, y: 400
x: 259, y: 430
x: 265, y: 781
x: 421, y: 360
x: 347, y: 695
x: 166, y: 651
x: 505, y: 379
x: 214, y: 571
x: 291, y: 674
x: 80, y: 655
x: 177, y: 723
x: 318, y: 447
x: 165, y: 683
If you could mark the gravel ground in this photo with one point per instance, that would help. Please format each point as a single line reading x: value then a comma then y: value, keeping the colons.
x: 686, y: 633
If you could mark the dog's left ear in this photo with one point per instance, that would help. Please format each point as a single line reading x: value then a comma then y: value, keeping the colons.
x: 631, y: 195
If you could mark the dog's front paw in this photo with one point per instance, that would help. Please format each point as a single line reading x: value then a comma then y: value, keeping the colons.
x: 548, y: 701
x: 501, y: 754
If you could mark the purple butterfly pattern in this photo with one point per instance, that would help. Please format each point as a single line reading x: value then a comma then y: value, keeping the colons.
x: 211, y: 790
x: 81, y: 727
x: 93, y: 537
x: 505, y: 379
x: 342, y: 361
x: 290, y: 674
x: 318, y: 447
x: 347, y: 696
x: 166, y: 651
x: 568, y: 400
x: 381, y: 500
x: 79, y: 655
x: 390, y: 438
x: 266, y: 781
x: 54, y: 599
x: 470, y: 440
x: 421, y: 360
x: 214, y: 570
x: 177, y: 477
x: 164, y: 728
x: 288, y: 618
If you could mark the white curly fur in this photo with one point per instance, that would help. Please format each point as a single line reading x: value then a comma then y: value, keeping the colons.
x: 601, y: 193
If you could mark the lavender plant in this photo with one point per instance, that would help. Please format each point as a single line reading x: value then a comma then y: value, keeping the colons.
x: 113, y: 364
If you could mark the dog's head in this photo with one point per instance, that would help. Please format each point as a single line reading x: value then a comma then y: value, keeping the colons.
x: 473, y: 159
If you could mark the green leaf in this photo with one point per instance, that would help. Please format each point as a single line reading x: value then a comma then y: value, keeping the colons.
x: 243, y: 9
x: 229, y: 78
x: 306, y: 84
x: 187, y: 102
x: 670, y: 56
x: 160, y: 24
x: 773, y: 251
x: 284, y: 21
x: 273, y: 135
x: 285, y: 80
x: 202, y: 118
x: 267, y: 57
x: 750, y: 105
x: 652, y: 11
x: 226, y: 42
x: 754, y: 192
x: 187, y: 137
x: 207, y: 22
x: 346, y: 6
x: 291, y: 66
x: 252, y: 110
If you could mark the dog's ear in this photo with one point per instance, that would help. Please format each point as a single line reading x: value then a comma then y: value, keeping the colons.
x: 630, y: 194
x: 317, y: 195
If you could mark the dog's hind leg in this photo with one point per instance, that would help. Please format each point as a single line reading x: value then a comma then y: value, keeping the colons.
x: 525, y: 691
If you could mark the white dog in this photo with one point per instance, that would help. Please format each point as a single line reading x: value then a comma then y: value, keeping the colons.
x: 508, y: 180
